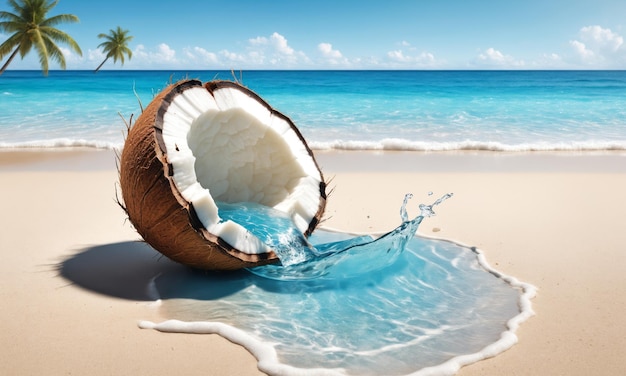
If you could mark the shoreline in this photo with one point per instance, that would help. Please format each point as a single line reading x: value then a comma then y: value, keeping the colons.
x: 608, y: 161
x: 551, y: 219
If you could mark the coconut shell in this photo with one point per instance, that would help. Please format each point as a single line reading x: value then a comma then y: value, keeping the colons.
x: 156, y: 209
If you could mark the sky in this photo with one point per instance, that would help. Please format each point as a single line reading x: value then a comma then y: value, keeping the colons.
x: 348, y: 34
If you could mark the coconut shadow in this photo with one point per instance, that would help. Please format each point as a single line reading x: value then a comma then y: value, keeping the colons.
x: 130, y: 270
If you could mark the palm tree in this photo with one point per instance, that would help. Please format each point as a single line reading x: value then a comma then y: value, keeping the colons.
x: 115, y: 45
x: 32, y: 28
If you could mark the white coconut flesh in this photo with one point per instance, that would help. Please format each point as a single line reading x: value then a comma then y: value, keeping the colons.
x: 226, y: 146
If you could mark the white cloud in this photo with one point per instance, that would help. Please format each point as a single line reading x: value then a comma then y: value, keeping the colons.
x: 582, y: 51
x: 276, y: 42
x: 599, y: 47
x: 494, y: 55
x: 492, y: 58
x: 260, y: 52
x: 280, y: 44
x: 331, y: 56
x: 165, y: 53
x: 273, y: 50
x: 399, y: 58
x: 603, y: 39
x: 231, y: 57
x: 200, y: 57
x: 258, y: 41
x: 328, y: 52
x: 95, y: 55
x: 397, y: 55
x: 159, y: 57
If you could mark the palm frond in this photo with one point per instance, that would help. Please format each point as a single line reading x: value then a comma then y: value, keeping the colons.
x: 10, y: 17
x: 61, y: 37
x: 54, y: 52
x: 32, y: 28
x: 16, y: 7
x: 47, y: 5
x: 26, y: 44
x: 115, y: 45
x: 61, y: 18
x: 9, y: 45
x: 41, y: 49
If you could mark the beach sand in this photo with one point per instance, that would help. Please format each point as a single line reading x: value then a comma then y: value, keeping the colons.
x: 72, y: 271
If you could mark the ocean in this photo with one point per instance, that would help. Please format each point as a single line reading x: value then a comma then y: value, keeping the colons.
x: 347, y: 110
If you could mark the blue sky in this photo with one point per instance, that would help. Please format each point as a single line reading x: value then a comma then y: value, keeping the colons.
x: 363, y: 34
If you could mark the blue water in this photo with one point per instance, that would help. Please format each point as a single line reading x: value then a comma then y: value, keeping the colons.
x: 392, y: 305
x: 432, y: 304
x: 273, y: 227
x: 404, y: 110
x: 302, y: 259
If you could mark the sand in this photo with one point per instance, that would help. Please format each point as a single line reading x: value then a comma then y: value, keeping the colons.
x: 555, y: 220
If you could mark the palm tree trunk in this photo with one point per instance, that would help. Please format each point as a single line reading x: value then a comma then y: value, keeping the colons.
x: 101, y: 64
x: 4, y: 67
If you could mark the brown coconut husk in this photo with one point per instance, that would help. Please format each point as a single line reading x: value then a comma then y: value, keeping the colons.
x: 155, y: 207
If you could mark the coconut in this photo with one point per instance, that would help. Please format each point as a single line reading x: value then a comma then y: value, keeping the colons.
x: 197, y: 145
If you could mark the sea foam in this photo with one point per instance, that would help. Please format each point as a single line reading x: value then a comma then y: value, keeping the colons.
x: 396, y: 144
x: 61, y: 143
x: 391, y: 144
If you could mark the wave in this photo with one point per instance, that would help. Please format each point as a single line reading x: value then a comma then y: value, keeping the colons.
x: 394, y: 144
x: 61, y: 143
x: 388, y: 144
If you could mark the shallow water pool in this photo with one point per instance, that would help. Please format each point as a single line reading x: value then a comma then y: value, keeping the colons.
x: 431, y: 307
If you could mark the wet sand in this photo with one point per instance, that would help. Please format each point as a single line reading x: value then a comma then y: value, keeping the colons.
x: 555, y: 220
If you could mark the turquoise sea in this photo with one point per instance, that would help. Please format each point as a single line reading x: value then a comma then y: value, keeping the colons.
x: 399, y: 110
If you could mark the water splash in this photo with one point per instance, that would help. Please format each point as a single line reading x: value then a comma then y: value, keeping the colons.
x: 301, y: 260
x: 428, y: 210
x: 273, y: 227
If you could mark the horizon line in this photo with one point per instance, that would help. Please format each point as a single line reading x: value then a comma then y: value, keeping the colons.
x: 328, y: 69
